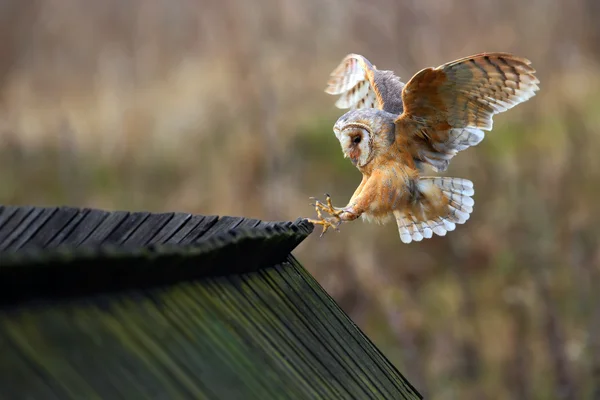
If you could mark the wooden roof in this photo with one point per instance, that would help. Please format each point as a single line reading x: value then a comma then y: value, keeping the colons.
x: 98, y: 304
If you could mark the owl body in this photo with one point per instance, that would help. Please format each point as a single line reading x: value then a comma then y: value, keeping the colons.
x: 393, y: 129
x: 385, y: 190
x: 372, y: 147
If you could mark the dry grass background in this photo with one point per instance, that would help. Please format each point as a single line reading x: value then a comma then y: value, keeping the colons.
x: 217, y: 107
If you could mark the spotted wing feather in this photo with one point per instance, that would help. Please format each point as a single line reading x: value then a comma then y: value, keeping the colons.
x: 360, y: 84
x: 446, y: 109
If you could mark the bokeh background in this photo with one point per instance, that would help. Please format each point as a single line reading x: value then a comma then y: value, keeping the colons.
x: 217, y: 107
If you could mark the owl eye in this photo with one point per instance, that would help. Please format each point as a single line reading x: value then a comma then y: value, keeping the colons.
x: 357, y: 139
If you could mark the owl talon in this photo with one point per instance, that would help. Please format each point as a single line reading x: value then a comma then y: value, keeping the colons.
x: 328, y: 207
x: 331, y: 222
x: 326, y: 223
x: 331, y: 209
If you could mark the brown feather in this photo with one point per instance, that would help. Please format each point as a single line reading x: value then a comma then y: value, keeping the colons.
x: 446, y: 108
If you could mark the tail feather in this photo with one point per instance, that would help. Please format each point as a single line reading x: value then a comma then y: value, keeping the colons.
x: 441, y: 204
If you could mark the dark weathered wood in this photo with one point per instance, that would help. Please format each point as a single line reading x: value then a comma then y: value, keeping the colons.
x: 146, y: 231
x: 23, y: 227
x: 6, y: 213
x: 200, y: 229
x: 80, y: 228
x: 110, y: 224
x: 97, y: 304
x: 35, y: 225
x: 272, y: 334
x: 13, y: 222
x: 352, y: 346
x: 177, y: 221
x: 225, y: 224
x: 126, y: 228
x: 199, y: 223
x: 29, y: 227
x: 57, y: 222
x: 102, y: 252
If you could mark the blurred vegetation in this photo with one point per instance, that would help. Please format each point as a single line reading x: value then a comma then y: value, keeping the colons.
x: 218, y: 108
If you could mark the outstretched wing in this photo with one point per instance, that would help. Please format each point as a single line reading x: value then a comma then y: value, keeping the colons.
x: 361, y: 85
x: 447, y: 108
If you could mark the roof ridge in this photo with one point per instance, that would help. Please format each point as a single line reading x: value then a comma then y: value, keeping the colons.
x: 295, y: 231
x: 230, y: 245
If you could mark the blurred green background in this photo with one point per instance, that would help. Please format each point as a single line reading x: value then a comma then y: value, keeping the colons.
x: 217, y: 107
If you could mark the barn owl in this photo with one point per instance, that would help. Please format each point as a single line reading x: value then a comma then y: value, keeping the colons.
x: 393, y: 129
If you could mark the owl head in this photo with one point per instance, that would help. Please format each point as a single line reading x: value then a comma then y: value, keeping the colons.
x: 365, y: 133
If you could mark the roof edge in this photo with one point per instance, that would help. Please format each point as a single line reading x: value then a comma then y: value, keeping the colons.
x: 74, y: 271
